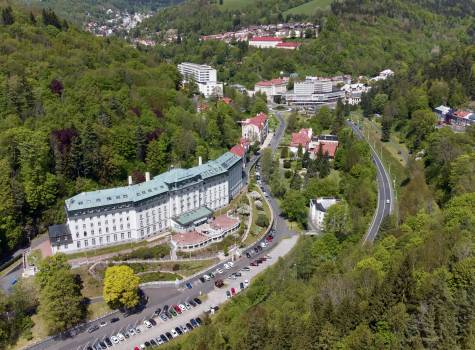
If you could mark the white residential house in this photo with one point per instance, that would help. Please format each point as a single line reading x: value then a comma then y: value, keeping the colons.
x: 256, y: 128
x: 319, y: 208
x: 272, y: 87
x: 264, y: 42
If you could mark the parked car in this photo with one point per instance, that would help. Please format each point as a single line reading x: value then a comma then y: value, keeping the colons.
x: 102, y: 324
x: 197, y: 300
x: 194, y: 323
x: 114, y: 319
x: 147, y: 324
x: 93, y: 328
x: 164, y: 338
x: 182, y: 307
x: 157, y: 312
x: 219, y: 271
x: 248, y: 255
x: 237, y: 274
x: 206, y: 277
x: 177, y: 309
x: 233, y: 291
x: 114, y: 339
x: 153, y: 342
x: 192, y: 303
x: 212, y: 275
x: 169, y: 335
x: 174, y: 333
x: 132, y: 331
x: 232, y: 276
x: 152, y: 321
x: 246, y: 268
x: 202, y: 279
x: 241, y: 285
x: 246, y: 283
x: 173, y: 312
x: 188, y: 285
x: 219, y: 283
x: 184, y: 329
x: 187, y: 305
x: 230, y: 263
x: 198, y: 320
x: 226, y: 266
x: 228, y: 294
x: 108, y: 341
x: 178, y: 330
x: 189, y: 326
x: 137, y: 330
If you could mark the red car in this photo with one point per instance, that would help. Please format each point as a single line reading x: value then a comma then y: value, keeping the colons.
x: 253, y: 264
x: 269, y: 238
x: 233, y: 291
x: 177, y: 309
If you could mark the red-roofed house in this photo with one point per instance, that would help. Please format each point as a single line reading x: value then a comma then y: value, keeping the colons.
x: 328, y: 144
x: 264, y: 41
x: 328, y: 149
x: 271, y: 87
x: 238, y: 150
x: 227, y: 100
x: 288, y: 45
x: 461, y: 118
x: 256, y: 128
x: 301, y: 138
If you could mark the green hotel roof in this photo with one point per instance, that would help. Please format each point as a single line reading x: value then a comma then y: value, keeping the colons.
x: 192, y: 216
x: 173, y: 179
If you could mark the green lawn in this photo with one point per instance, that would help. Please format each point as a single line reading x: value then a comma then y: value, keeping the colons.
x: 107, y: 250
x: 158, y: 276
x: 309, y: 7
x: 235, y: 4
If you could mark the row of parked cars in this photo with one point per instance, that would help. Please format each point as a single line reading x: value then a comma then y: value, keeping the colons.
x: 173, y: 333
x: 207, y: 277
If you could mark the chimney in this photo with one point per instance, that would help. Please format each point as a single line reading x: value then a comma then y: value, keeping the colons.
x: 200, y: 160
x: 147, y: 176
x: 130, y: 180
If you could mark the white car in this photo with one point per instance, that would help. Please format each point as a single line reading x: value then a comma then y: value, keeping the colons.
x: 184, y: 329
x: 142, y: 346
x: 147, y: 324
x: 182, y: 307
x: 159, y: 341
x: 188, y: 306
x: 120, y: 336
x: 246, y: 282
x: 132, y: 331
x: 174, y: 333
x: 231, y: 263
x: 206, y: 277
x: 114, y: 339
x: 387, y: 201
x: 219, y: 271
x: 226, y: 266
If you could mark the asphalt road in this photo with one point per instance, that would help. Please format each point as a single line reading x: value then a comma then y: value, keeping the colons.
x: 385, y: 192
x: 171, y: 294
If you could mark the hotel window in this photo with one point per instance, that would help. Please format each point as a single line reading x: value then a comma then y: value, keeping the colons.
x: 83, y: 225
x: 77, y: 234
x: 122, y: 236
x: 128, y: 225
x: 77, y: 228
x: 92, y: 232
x: 92, y: 224
x: 114, y: 228
x: 121, y: 226
x: 113, y: 221
x: 86, y: 243
x: 107, y: 229
x: 100, y: 230
x: 100, y: 240
x: 93, y: 241
x: 85, y: 233
x: 115, y: 237
x: 98, y: 223
x: 78, y: 244
x: 107, y: 222
x: 129, y: 235
x: 107, y: 239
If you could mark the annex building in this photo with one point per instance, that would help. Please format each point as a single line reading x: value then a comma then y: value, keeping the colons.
x: 138, y: 211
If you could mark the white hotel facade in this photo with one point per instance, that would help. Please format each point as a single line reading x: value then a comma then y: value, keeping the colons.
x: 135, y: 212
x: 205, y: 77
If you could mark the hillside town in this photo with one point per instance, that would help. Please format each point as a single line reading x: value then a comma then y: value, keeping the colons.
x: 116, y: 22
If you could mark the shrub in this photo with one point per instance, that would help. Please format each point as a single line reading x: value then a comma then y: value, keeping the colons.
x: 287, y: 163
x: 262, y: 220
x: 288, y: 174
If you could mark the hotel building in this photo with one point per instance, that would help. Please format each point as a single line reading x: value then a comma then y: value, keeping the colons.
x: 135, y: 212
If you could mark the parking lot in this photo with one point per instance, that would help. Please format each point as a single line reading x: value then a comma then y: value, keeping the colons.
x: 215, y: 297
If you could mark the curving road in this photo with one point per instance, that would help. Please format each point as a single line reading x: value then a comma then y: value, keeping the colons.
x: 157, y: 296
x: 385, y: 202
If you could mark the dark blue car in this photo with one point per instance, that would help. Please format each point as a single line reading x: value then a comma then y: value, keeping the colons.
x: 188, y: 285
